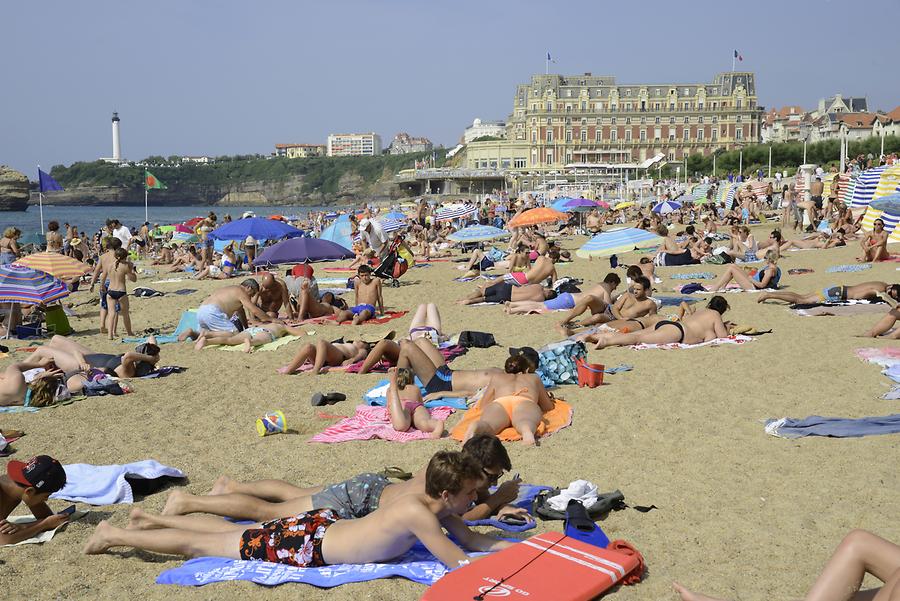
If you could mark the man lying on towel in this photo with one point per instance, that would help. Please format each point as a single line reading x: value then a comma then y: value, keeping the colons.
x: 320, y: 537
x: 701, y: 326
x: 834, y: 294
x: 354, y: 498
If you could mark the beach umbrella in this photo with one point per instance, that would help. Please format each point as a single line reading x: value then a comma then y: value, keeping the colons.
x: 338, y: 232
x: 888, y: 183
x: 560, y: 203
x: 698, y: 193
x: 396, y: 215
x: 667, y: 206
x: 192, y: 223
x: 537, y: 216
x: 726, y: 194
x: 392, y: 225
x: 622, y: 240
x: 303, y: 250
x: 477, y: 233
x: 27, y: 286
x: 259, y: 228
x: 886, y: 208
x: 887, y: 204
x: 55, y: 264
x: 601, y: 204
x: 627, y: 204
x: 183, y: 229
x: 864, y: 190
x: 456, y: 211
x: 184, y: 238
x: 580, y: 204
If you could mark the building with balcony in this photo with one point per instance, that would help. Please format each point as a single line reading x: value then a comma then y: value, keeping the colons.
x: 300, y: 151
x: 484, y: 129
x: 354, y: 145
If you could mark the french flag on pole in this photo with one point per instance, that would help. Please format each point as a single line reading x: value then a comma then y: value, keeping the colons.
x: 738, y: 56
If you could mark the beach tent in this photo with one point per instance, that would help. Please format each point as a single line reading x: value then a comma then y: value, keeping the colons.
x: 698, y: 194
x: 726, y: 194
x: 866, y: 182
x: 617, y: 241
x: 339, y: 232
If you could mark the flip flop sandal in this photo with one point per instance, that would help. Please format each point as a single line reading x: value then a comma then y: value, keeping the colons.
x: 330, y: 398
x: 395, y: 473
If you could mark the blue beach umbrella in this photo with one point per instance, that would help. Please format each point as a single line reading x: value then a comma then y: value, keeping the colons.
x: 477, y: 233
x: 302, y: 250
x: 560, y: 203
x: 579, y: 204
x: 392, y: 225
x: 666, y: 206
x: 338, y: 232
x: 396, y: 215
x: 259, y: 228
x: 623, y: 240
x: 889, y: 204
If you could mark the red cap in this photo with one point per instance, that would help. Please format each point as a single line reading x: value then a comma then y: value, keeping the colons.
x: 42, y: 472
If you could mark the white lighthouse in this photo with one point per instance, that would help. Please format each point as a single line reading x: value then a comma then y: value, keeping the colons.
x: 117, y: 148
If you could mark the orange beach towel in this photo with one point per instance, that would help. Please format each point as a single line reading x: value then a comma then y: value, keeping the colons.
x: 554, y: 420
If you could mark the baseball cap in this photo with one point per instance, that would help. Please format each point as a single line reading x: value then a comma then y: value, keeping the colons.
x: 527, y: 352
x: 42, y: 472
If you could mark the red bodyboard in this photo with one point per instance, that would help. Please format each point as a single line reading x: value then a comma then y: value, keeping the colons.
x: 565, y: 569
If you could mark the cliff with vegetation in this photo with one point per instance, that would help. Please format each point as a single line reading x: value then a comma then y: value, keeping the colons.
x: 13, y: 190
x: 237, y: 180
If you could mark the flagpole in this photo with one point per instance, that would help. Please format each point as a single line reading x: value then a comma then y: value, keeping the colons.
x: 732, y: 61
x: 41, y: 200
x: 547, y: 65
x: 146, y: 214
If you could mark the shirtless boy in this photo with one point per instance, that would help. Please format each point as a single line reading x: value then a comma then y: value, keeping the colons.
x: 319, y: 537
x: 353, y: 498
x: 367, y: 291
x: 701, y: 326
x: 31, y: 483
x: 830, y: 294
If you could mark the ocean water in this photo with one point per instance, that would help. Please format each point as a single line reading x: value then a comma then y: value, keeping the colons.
x: 91, y: 219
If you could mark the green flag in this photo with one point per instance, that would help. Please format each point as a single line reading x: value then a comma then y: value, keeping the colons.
x: 151, y: 183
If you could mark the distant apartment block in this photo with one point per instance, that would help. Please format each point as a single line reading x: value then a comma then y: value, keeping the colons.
x: 354, y: 145
x: 300, y: 151
x: 203, y: 160
x: 404, y: 144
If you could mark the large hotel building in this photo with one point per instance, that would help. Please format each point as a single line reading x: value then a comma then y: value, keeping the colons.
x: 586, y: 120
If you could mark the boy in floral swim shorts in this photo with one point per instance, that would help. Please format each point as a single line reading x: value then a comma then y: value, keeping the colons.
x: 319, y: 537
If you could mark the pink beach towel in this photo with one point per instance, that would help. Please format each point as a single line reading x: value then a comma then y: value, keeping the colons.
x: 374, y: 422
x: 739, y: 339
x: 884, y: 357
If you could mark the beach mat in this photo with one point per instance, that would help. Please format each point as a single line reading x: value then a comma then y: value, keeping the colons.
x: 849, y: 268
x: 417, y: 564
x: 833, y: 427
x: 738, y: 339
x: 839, y: 310
x: 269, y: 346
x: 42, y: 537
x: 188, y: 321
x: 554, y: 420
x: 374, y: 422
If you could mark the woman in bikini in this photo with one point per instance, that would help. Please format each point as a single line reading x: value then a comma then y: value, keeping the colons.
x: 513, y: 399
x: 54, y: 239
x: 874, y: 244
x: 426, y: 323
x: 9, y: 249
x: 767, y: 277
x: 121, y: 271
x: 405, y: 405
x: 743, y: 245
x: 325, y: 354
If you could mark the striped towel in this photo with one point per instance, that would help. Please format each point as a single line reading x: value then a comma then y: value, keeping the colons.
x: 374, y: 422
x: 700, y: 275
x: 849, y: 268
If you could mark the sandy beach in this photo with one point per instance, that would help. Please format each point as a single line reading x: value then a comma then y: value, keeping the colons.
x: 741, y: 514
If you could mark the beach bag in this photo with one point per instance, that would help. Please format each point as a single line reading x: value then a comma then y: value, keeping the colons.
x: 567, y: 284
x: 557, y: 365
x: 471, y: 339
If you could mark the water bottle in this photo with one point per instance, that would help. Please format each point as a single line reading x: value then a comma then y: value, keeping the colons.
x: 613, y: 261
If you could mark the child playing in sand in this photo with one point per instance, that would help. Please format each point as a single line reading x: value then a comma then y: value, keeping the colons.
x: 122, y: 270
x: 404, y: 402
x: 32, y: 483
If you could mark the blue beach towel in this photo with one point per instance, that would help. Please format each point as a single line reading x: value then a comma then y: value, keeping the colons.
x: 834, y: 427
x: 699, y: 275
x: 377, y: 396
x: 18, y: 409
x: 188, y: 321
x: 107, y: 484
x: 674, y: 301
x: 849, y: 268
x: 417, y: 564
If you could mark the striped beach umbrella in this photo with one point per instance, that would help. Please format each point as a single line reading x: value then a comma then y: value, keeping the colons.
x: 726, y: 194
x: 392, y: 225
x: 28, y: 286
x: 622, y: 240
x: 886, y: 208
x: 698, y: 193
x: 57, y: 265
x: 866, y: 182
x: 888, y: 184
x: 666, y: 206
x: 537, y: 216
x: 477, y: 233
x: 456, y: 211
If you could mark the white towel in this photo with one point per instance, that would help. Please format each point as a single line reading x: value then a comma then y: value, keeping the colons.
x: 581, y: 490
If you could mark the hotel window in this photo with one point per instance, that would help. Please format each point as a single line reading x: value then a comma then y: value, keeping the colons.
x: 549, y: 107
x: 655, y: 106
x: 584, y: 135
x: 738, y: 119
x: 715, y: 134
x: 671, y: 120
x: 504, y: 163
x: 739, y: 134
x: 657, y: 133
x: 628, y: 106
x: 533, y: 136
x: 700, y: 106
x: 549, y: 120
x: 687, y: 119
x: 613, y: 135
x: 671, y: 156
x: 598, y: 134
x: 700, y: 134
x: 627, y: 120
x: 656, y: 120
x: 568, y: 121
x: 643, y: 135
x: 568, y: 108
x: 643, y: 120
x: 568, y: 158
x: 549, y: 135
x: 628, y: 135
x: 613, y: 106
x: 628, y: 92
x: 583, y: 121
x: 657, y: 92
x: 583, y: 105
x: 687, y: 134
x: 715, y: 119
x: 568, y: 93
x: 738, y: 103
x: 568, y: 135
x: 671, y: 134
x: 613, y: 120
x: 671, y: 106
x: 519, y: 163
x: 549, y: 156
x: 699, y: 119
x: 533, y: 121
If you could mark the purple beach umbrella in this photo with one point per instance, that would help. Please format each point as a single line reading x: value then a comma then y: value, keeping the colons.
x: 303, y: 250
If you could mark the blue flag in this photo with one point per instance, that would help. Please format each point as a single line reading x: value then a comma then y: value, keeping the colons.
x: 47, y: 182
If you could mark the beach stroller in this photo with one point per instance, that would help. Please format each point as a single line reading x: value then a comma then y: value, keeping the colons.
x: 395, y: 263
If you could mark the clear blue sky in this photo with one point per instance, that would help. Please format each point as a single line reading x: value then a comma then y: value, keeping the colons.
x: 222, y: 77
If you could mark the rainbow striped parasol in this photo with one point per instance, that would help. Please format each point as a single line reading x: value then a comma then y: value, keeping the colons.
x: 57, y: 265
x: 27, y: 286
